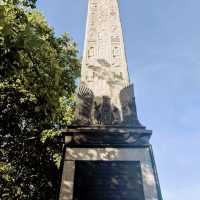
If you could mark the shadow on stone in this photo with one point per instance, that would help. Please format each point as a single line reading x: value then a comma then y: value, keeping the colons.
x: 91, y: 110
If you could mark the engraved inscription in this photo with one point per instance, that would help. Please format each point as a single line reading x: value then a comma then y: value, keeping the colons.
x: 91, y: 52
x: 116, y: 52
x: 108, y: 180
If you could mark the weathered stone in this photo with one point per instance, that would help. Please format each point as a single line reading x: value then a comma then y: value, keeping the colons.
x: 104, y: 69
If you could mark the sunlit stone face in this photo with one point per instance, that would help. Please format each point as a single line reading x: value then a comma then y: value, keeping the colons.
x: 105, y: 95
x: 137, y: 158
x: 104, y: 66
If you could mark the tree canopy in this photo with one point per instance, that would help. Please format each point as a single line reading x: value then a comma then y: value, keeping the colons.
x: 37, y: 81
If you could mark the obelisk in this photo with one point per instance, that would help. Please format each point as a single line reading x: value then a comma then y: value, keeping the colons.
x: 107, y: 154
x: 104, y: 67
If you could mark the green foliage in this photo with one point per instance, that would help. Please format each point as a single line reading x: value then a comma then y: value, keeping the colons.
x: 37, y: 80
x: 26, y: 3
x: 65, y: 112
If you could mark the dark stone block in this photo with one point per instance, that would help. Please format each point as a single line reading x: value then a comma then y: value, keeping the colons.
x: 108, y: 180
x: 106, y: 136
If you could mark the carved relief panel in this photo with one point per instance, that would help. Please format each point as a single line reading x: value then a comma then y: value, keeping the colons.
x: 116, y: 52
x: 91, y: 52
x: 116, y: 55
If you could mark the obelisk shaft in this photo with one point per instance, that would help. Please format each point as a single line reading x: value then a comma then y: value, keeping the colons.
x: 104, y: 66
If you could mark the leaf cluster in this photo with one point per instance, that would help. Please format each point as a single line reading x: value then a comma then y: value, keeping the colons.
x: 24, y: 3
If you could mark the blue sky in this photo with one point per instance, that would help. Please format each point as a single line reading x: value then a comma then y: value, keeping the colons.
x: 163, y: 51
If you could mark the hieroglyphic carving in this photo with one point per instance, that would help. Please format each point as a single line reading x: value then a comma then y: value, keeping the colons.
x: 93, y: 6
x: 104, y: 25
x: 100, y: 35
x: 116, y: 52
x: 91, y: 52
x: 117, y: 76
x: 115, y: 38
x: 92, y: 35
x: 90, y: 76
x: 104, y: 68
x: 103, y: 11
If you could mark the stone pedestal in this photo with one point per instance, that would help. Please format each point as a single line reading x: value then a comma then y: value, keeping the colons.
x: 108, y: 163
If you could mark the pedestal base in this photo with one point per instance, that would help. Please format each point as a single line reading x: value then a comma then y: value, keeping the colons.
x: 100, y: 170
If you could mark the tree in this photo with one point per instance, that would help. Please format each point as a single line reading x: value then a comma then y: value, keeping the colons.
x: 37, y: 80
